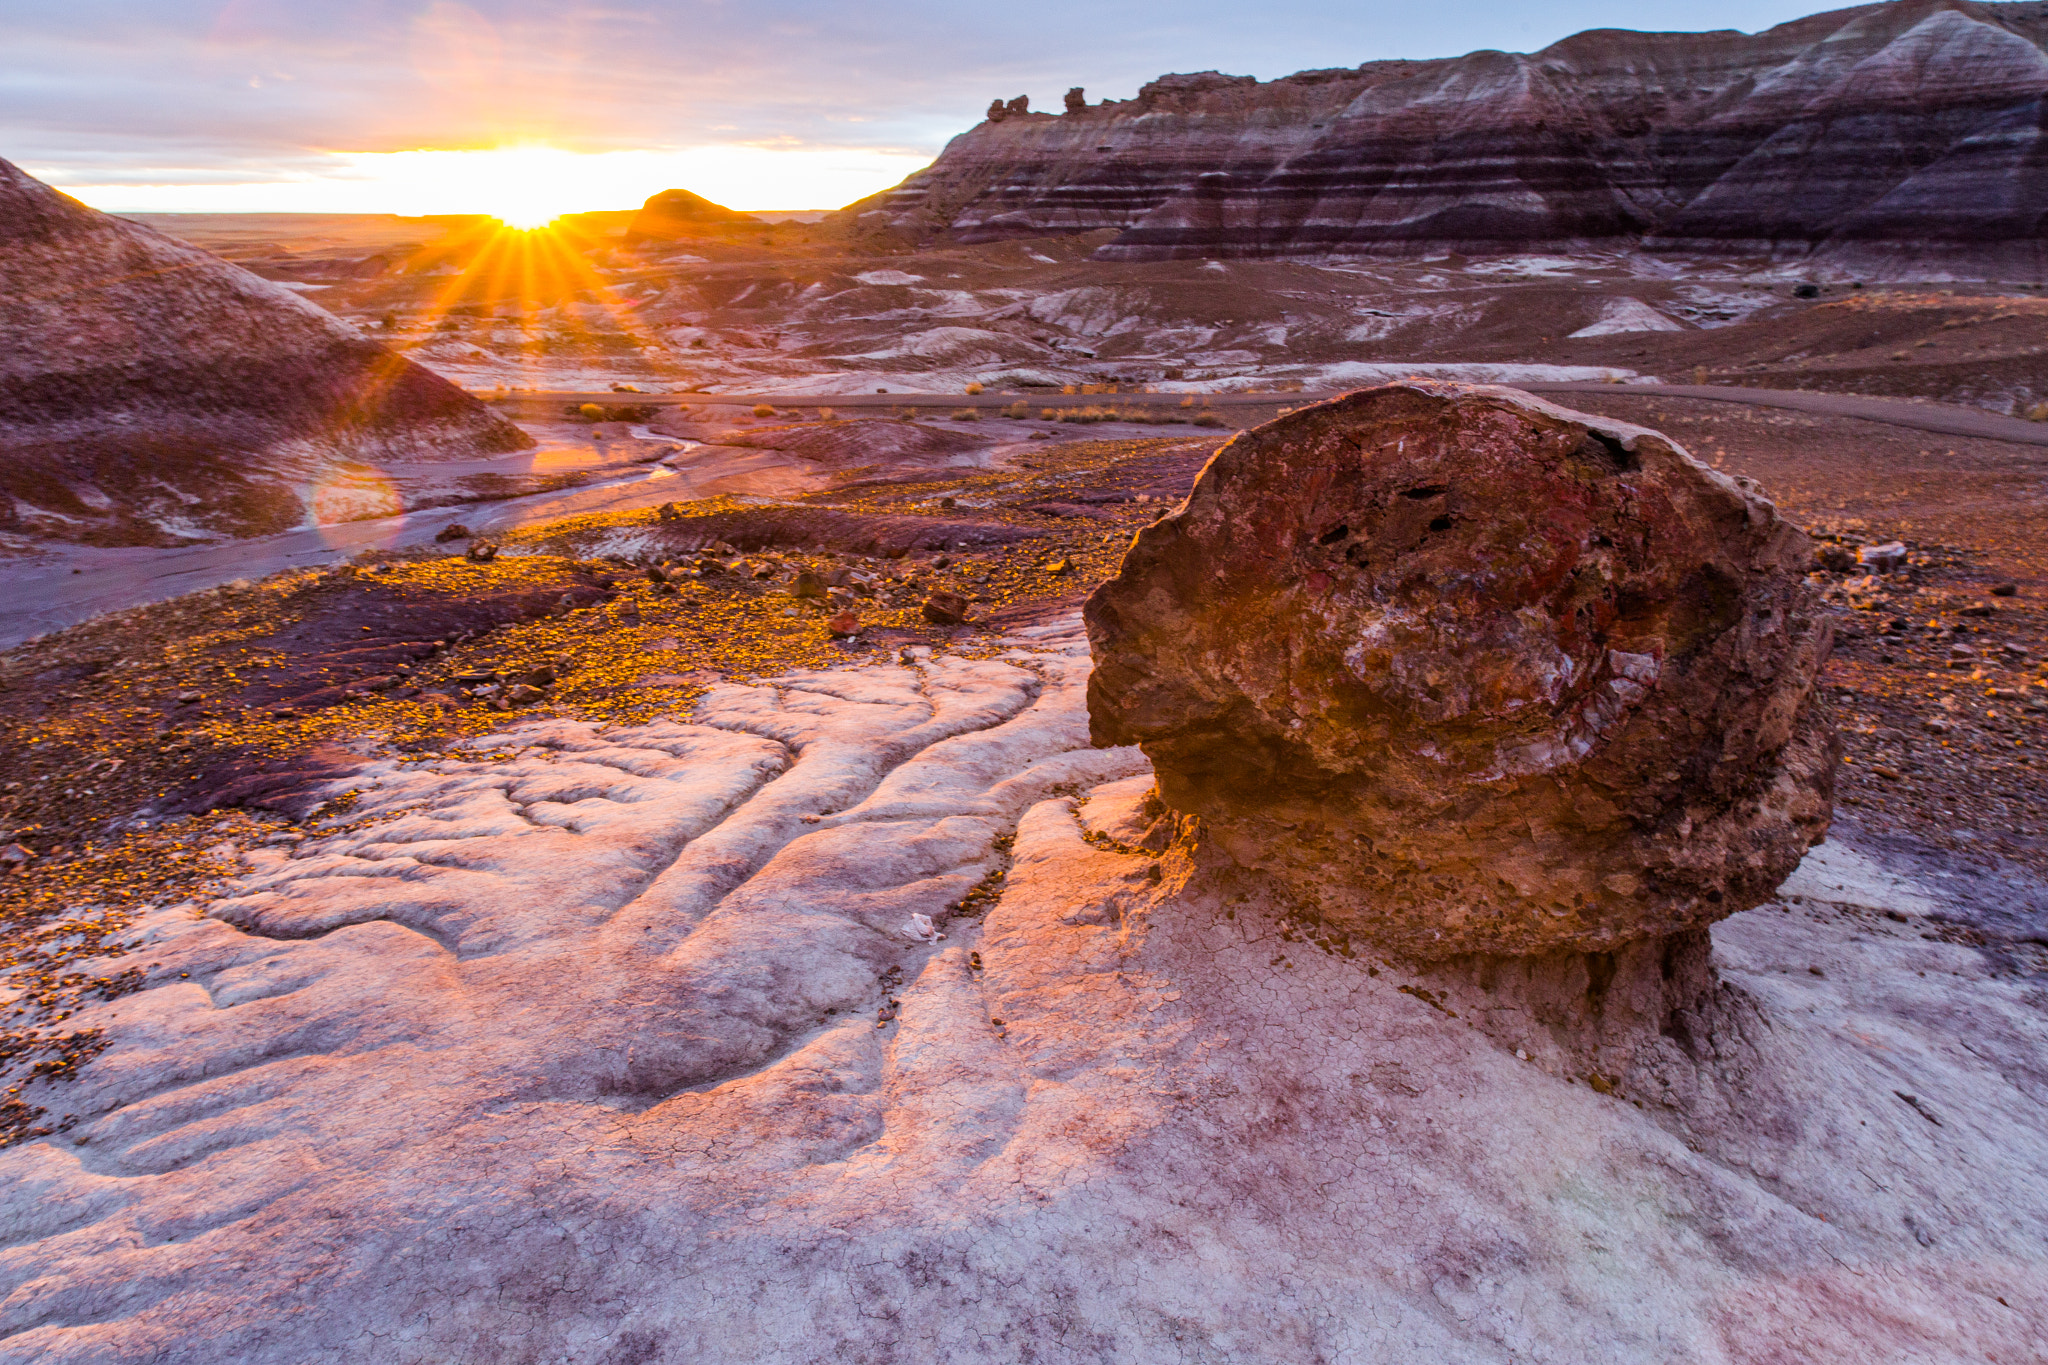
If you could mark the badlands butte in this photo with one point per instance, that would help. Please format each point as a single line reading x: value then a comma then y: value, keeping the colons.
x: 1385, y: 715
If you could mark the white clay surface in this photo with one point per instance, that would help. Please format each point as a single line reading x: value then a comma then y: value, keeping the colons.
x: 574, y: 1058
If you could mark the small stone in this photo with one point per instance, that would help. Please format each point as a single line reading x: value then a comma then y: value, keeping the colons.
x: 2014, y: 649
x: 481, y: 552
x: 16, y: 855
x: 520, y: 694
x: 1977, y: 609
x: 1060, y: 566
x: 1834, y: 558
x: 807, y: 585
x: 188, y: 698
x: 454, y: 530
x: 2005, y: 589
x: 945, y: 609
x: 844, y: 624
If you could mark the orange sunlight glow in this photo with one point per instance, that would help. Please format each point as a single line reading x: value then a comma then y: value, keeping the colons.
x: 528, y: 185
x: 530, y: 282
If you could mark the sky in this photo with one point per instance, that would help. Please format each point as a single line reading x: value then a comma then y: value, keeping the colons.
x: 540, y: 106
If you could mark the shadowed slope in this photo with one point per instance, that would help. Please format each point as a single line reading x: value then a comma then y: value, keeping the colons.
x: 150, y: 390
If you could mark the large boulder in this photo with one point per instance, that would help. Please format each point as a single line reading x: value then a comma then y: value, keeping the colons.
x: 1466, y: 672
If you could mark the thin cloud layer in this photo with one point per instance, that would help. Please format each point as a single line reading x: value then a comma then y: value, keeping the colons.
x: 170, y: 92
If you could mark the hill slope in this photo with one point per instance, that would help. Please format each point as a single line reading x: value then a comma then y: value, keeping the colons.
x: 151, y: 392
x: 1887, y: 135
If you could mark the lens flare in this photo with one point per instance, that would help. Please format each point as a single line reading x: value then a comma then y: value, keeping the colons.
x: 352, y: 493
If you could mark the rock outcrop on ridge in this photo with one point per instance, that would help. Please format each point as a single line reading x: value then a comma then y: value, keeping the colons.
x: 151, y: 393
x: 1469, y: 673
x: 1907, y: 131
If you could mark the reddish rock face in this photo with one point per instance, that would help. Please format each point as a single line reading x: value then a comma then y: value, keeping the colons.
x: 1469, y: 673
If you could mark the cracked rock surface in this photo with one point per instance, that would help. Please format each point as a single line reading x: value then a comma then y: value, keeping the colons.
x: 1471, y: 673
x: 568, y: 1052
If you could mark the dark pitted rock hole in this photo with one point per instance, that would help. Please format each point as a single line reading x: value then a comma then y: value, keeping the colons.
x: 1434, y: 490
x: 1334, y: 534
x: 1600, y: 447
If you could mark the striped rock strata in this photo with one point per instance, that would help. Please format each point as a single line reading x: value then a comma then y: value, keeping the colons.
x: 1893, y: 135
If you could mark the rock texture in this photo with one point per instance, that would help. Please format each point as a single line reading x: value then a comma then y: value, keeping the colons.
x: 150, y: 392
x: 563, y: 1048
x: 1469, y: 673
x: 1907, y: 130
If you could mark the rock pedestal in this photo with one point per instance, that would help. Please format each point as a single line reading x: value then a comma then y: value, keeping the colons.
x: 1468, y: 673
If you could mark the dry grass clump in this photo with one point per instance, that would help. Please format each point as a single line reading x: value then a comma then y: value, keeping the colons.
x: 967, y: 414
x: 764, y: 409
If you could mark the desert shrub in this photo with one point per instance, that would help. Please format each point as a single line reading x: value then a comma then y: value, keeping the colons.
x: 1188, y: 401
x: 764, y: 409
x: 973, y: 389
x: 967, y: 414
x: 1209, y: 419
x: 826, y: 415
x: 1017, y: 410
x: 1066, y: 388
x: 614, y: 412
x: 1048, y: 414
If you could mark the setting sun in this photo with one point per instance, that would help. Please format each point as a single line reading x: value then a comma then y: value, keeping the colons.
x: 522, y: 187
x: 527, y: 186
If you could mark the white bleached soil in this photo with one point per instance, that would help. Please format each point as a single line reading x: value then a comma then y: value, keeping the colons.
x: 567, y: 1051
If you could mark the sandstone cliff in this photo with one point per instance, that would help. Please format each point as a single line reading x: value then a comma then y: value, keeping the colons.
x: 150, y: 391
x: 1880, y: 135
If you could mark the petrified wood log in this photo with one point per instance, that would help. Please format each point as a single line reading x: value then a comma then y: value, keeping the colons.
x: 1470, y: 673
